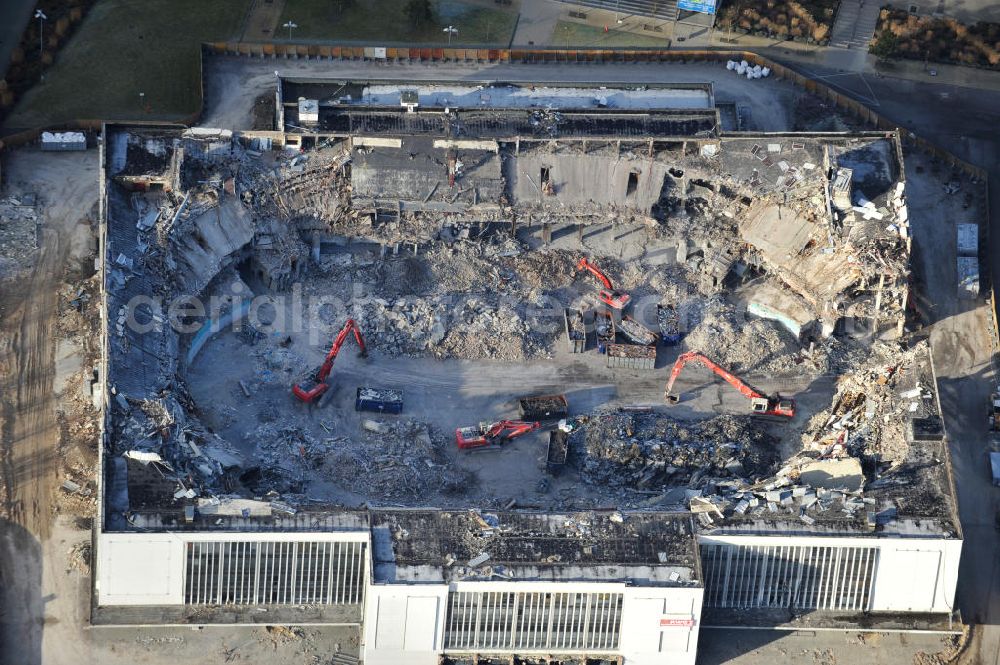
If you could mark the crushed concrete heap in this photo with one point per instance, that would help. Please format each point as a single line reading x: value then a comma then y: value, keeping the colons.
x: 648, y: 451
x: 856, y: 457
x: 18, y: 232
x: 740, y: 345
x: 475, y: 328
x: 386, y: 461
x: 867, y: 419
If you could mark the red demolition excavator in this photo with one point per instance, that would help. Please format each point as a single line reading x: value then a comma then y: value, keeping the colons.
x: 311, y: 390
x: 615, y: 299
x: 760, y: 404
x: 495, y: 434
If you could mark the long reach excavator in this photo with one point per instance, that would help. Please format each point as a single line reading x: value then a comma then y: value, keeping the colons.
x: 609, y: 295
x: 311, y: 390
x: 760, y: 404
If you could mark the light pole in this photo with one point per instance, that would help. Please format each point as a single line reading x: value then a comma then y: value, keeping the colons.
x: 450, y: 30
x: 40, y: 15
x: 290, y: 25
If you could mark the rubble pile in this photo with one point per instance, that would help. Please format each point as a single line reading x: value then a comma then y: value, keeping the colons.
x: 868, y: 414
x: 724, y: 335
x: 542, y: 270
x: 471, y: 328
x: 784, y: 497
x: 482, y: 331
x: 391, y: 461
x: 18, y: 233
x: 647, y: 451
x: 158, y: 433
x: 850, y: 452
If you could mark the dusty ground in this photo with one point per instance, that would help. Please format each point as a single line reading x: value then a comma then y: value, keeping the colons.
x: 964, y: 344
x: 761, y: 647
x: 33, y: 434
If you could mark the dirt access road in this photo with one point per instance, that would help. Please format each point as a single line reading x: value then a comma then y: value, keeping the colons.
x: 962, y: 342
x: 67, y: 190
x: 30, y: 434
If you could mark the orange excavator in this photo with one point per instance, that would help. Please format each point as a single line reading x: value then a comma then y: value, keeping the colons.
x: 312, y: 390
x: 615, y: 299
x: 495, y: 434
x: 760, y: 404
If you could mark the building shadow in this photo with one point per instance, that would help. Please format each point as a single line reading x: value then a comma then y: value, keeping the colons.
x: 22, y: 608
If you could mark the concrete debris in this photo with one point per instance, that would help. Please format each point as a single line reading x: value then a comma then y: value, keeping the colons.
x: 835, y: 474
x: 648, y: 451
x: 753, y: 256
x: 19, y: 222
x: 388, y: 460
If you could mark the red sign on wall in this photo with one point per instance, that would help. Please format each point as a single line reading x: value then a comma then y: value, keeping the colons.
x: 688, y: 623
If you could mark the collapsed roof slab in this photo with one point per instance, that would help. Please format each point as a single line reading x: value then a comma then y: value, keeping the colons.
x: 591, y: 179
x: 795, y: 247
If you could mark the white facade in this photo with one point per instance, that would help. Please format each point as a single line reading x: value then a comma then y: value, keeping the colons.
x: 903, y: 574
x: 170, y: 568
x: 416, y: 623
x: 405, y: 624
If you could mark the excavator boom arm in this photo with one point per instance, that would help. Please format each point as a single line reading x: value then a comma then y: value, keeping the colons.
x: 730, y: 378
x: 311, y: 391
x: 327, y: 366
x: 584, y: 264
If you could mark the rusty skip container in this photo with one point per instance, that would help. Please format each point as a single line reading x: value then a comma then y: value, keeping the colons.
x: 576, y: 330
x: 631, y: 356
x: 544, y: 407
x: 604, y: 325
x: 636, y: 332
x: 558, y: 451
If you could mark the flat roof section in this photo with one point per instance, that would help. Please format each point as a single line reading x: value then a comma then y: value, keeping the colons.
x: 538, y: 124
x: 654, y: 548
x: 486, y: 94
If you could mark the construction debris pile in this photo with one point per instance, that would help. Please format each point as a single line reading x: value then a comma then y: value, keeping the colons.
x: 469, y: 300
x: 756, y: 345
x: 867, y: 418
x: 471, y: 328
x: 853, y: 455
x: 385, y: 461
x: 18, y: 233
x: 753, y: 260
x: 648, y: 451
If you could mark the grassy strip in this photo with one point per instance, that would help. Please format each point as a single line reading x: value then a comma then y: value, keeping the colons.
x: 123, y: 49
x: 378, y: 21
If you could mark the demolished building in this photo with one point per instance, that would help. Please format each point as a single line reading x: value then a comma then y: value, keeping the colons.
x: 450, y: 234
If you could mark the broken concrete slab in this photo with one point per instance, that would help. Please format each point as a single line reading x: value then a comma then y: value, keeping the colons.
x: 833, y: 474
